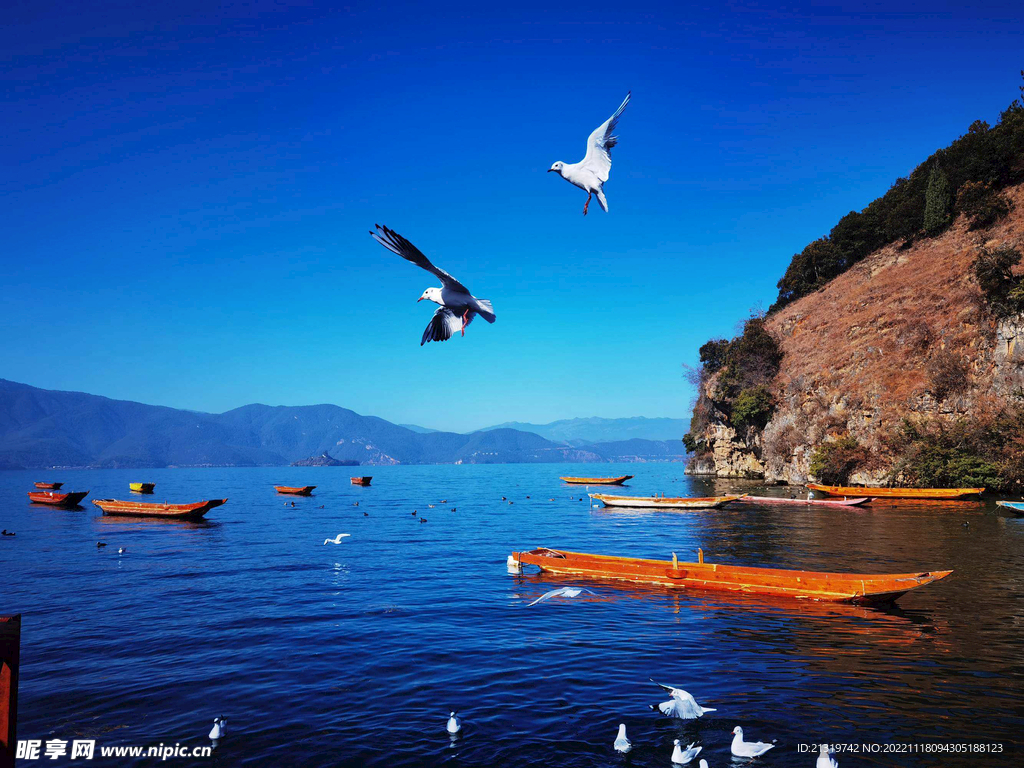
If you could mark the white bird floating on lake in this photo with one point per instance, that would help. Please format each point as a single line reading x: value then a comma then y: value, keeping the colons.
x: 563, y: 592
x: 219, y: 728
x: 454, y: 725
x: 592, y: 171
x: 682, y: 705
x: 826, y: 758
x: 457, y: 307
x: 682, y: 756
x: 704, y: 763
x: 622, y: 744
x: 741, y: 748
x: 337, y: 539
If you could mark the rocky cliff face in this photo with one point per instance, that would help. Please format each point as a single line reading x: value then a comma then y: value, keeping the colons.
x: 905, y: 331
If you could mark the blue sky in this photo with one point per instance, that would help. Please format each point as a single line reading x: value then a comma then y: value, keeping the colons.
x: 187, y: 189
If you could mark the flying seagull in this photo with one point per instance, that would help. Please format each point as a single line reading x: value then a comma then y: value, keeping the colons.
x: 682, y: 705
x: 741, y: 748
x: 457, y: 307
x: 337, y: 539
x: 563, y: 592
x: 591, y: 172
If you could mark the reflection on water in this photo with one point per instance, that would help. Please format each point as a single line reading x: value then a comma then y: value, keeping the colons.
x: 354, y: 654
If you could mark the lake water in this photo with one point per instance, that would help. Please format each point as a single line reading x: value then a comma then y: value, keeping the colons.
x: 353, y: 654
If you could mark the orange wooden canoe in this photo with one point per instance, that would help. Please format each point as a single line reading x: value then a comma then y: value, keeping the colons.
x: 191, y: 511
x: 305, y: 490
x: 56, y: 499
x: 806, y: 585
x: 897, y: 493
x: 596, y: 480
x: 663, y: 502
x: 48, y: 486
x: 361, y: 480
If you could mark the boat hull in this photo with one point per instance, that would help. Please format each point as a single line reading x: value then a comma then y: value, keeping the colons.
x: 662, y: 502
x: 141, y: 487
x: 56, y: 499
x: 1015, y: 506
x: 191, y: 511
x: 874, y: 588
x: 48, y: 486
x: 306, y: 490
x: 363, y: 481
x: 898, y: 493
x: 596, y: 480
x: 759, y: 500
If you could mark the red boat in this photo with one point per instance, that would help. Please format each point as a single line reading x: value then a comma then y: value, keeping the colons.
x: 363, y: 481
x: 305, y: 490
x: 48, y: 486
x: 192, y: 511
x: 56, y: 499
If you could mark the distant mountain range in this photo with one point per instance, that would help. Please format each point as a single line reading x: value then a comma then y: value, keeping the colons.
x: 44, y: 428
x: 597, y: 430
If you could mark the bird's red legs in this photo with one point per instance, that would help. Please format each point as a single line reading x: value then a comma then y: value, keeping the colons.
x: 464, y: 322
x: 586, y: 204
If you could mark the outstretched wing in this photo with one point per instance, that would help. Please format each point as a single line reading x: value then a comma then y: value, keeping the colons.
x: 395, y: 243
x: 598, y: 160
x: 442, y: 326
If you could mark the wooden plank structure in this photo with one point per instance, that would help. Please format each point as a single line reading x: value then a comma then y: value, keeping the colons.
x: 1013, y: 506
x: 10, y: 653
x: 48, y: 486
x: 897, y: 493
x: 596, y: 480
x: 773, y: 500
x: 56, y: 498
x: 663, y: 502
x: 192, y: 511
x: 869, y: 588
x: 304, y: 490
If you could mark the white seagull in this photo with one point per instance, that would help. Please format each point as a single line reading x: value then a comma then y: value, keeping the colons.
x: 337, y: 539
x: 563, y: 592
x: 454, y: 726
x: 826, y: 758
x: 457, y: 307
x: 219, y: 728
x: 742, y: 748
x: 682, y: 705
x: 682, y: 756
x: 704, y: 763
x: 622, y: 744
x: 590, y: 173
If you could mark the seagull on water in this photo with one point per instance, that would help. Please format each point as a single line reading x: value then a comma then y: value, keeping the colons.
x: 682, y: 705
x: 704, y: 763
x: 337, y: 539
x: 457, y: 307
x: 622, y: 744
x: 590, y: 173
x: 826, y: 758
x: 741, y: 748
x: 454, y: 724
x: 682, y: 756
x: 219, y: 728
x: 563, y: 592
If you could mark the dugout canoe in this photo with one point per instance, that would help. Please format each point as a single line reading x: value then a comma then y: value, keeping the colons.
x: 898, y: 493
x: 48, y: 486
x: 596, y: 480
x: 869, y: 588
x: 192, y: 511
x: 57, y: 499
x: 663, y: 502
x: 797, y: 502
x: 305, y: 490
x: 363, y: 481
x: 1015, y: 506
x: 141, y: 487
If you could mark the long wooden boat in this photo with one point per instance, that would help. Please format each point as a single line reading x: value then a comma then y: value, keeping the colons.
x: 141, y: 487
x: 363, y: 481
x: 897, y: 493
x: 191, y: 511
x: 797, y: 502
x: 57, y: 499
x: 1016, y: 506
x: 305, y: 490
x: 596, y: 480
x: 48, y: 486
x: 807, y: 585
x: 663, y: 502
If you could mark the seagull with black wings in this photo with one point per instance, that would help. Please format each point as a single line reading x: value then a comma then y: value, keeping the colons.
x: 457, y: 306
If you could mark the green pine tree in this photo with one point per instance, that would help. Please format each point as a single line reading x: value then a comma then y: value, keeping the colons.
x: 938, y: 202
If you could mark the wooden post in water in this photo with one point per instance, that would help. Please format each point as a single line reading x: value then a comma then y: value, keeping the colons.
x: 10, y: 651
